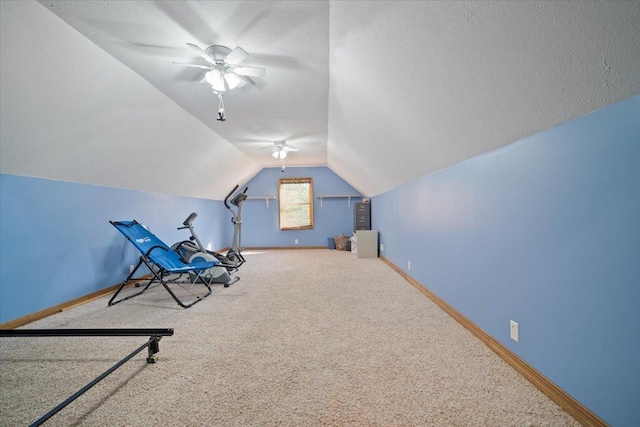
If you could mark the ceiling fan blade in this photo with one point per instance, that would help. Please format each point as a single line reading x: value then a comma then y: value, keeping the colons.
x: 236, y: 56
x: 202, y: 53
x: 243, y: 82
x: 249, y: 71
x: 202, y: 67
x: 280, y: 146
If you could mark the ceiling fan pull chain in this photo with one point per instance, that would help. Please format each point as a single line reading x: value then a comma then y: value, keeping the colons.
x: 221, y: 117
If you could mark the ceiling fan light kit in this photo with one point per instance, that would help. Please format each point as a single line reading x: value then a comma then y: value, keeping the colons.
x: 280, y: 155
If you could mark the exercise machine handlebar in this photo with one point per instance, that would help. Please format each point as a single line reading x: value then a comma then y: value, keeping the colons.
x: 239, y: 198
x: 229, y: 195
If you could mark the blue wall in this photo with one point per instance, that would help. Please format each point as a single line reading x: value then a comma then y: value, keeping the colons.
x: 260, y: 224
x: 57, y: 244
x: 546, y: 232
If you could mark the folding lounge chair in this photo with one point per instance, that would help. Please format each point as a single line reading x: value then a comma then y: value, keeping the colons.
x: 164, y: 265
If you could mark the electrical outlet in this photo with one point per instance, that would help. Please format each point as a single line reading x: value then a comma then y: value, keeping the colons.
x: 409, y: 265
x: 296, y: 241
x: 514, y: 331
x: 381, y: 247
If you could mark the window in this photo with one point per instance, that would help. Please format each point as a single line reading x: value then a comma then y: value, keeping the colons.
x: 296, y: 203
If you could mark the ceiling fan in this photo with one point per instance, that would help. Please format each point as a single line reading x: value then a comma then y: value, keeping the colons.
x: 279, y: 149
x: 224, y: 73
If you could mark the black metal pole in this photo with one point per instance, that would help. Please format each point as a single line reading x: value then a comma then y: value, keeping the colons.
x: 78, y: 393
x: 155, y: 334
x: 85, y: 332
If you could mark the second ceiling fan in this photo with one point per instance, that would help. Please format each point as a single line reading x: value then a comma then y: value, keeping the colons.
x: 279, y: 149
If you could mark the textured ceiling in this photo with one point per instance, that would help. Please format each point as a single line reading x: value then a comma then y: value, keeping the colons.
x: 381, y: 92
x: 289, y: 39
x: 419, y: 86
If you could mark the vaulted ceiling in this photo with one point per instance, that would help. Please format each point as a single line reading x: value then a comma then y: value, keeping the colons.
x: 380, y: 92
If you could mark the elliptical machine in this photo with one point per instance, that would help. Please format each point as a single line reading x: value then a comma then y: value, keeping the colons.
x: 193, y: 250
x: 234, y: 254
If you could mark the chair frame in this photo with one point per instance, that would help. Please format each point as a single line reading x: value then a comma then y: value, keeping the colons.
x: 161, y: 274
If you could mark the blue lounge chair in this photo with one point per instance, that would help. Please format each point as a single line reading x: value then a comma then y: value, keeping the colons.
x: 165, y: 265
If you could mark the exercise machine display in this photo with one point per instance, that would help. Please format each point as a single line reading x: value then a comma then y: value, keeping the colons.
x: 193, y: 250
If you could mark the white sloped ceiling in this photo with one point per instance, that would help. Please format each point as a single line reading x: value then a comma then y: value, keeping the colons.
x: 416, y: 87
x: 71, y: 112
x: 382, y: 92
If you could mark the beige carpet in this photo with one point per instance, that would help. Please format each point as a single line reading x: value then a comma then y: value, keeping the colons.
x: 306, y: 338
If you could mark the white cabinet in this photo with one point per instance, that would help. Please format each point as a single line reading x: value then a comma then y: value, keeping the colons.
x: 367, y: 241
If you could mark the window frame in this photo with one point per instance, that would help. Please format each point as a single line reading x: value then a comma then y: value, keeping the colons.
x: 283, y: 204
